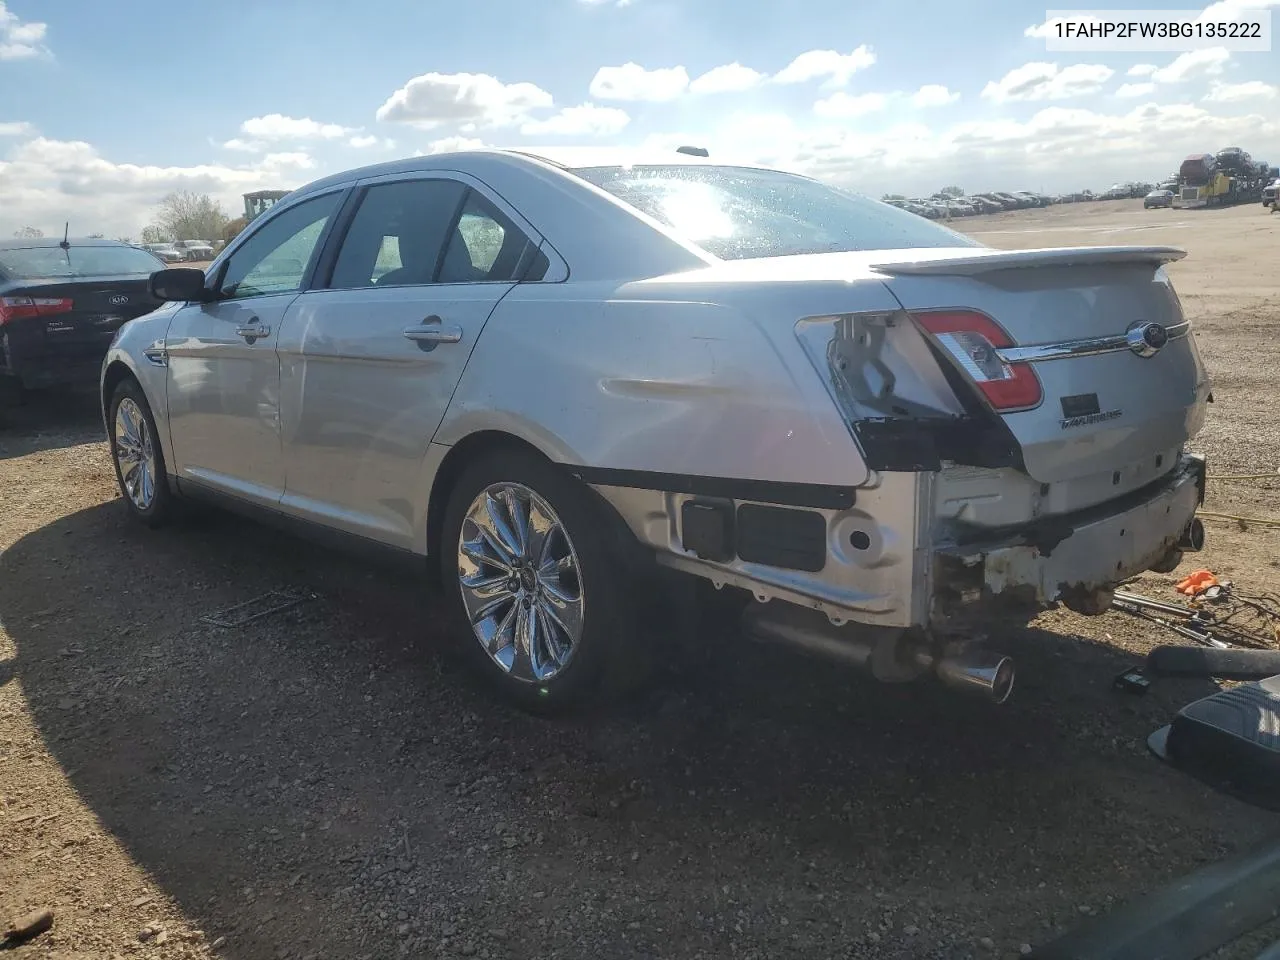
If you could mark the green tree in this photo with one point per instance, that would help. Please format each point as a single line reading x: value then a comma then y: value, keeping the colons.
x: 184, y: 215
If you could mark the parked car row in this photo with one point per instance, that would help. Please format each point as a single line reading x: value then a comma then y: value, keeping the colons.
x: 181, y: 251
x: 942, y: 207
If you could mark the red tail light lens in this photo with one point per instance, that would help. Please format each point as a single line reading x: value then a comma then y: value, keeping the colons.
x: 19, y: 308
x: 973, y: 340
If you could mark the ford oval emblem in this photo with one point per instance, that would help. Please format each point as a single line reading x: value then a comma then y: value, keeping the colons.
x: 1146, y: 339
x: 119, y: 300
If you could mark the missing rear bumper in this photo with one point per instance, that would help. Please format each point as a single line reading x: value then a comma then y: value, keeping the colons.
x: 1089, y: 552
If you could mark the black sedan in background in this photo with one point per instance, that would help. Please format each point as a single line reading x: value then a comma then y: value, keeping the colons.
x: 1157, y: 198
x: 61, y: 302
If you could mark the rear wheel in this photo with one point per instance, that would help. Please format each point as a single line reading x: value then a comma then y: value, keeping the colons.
x: 137, y: 456
x: 535, y: 579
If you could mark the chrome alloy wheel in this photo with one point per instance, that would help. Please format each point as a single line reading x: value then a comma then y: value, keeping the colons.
x: 135, y: 454
x: 520, y: 585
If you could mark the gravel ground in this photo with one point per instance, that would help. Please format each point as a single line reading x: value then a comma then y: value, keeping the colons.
x: 327, y: 782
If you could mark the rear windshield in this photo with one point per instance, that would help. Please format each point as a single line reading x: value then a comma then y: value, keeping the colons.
x: 46, y: 263
x: 735, y: 212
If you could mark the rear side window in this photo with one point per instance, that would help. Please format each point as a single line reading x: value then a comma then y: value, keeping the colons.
x: 737, y: 212
x: 49, y: 263
x: 397, y: 234
x: 415, y: 232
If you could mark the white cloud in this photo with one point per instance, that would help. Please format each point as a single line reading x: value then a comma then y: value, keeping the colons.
x: 1235, y: 92
x: 1141, y: 70
x: 841, y: 104
x: 295, y: 159
x: 15, y: 128
x: 837, y: 68
x: 275, y: 126
x: 243, y: 146
x: 728, y: 78
x: 1048, y: 81
x: 1207, y: 61
x: 1135, y: 89
x: 453, y: 145
x: 432, y: 99
x: 633, y: 82
x: 1049, y: 28
x: 21, y: 39
x: 1056, y: 148
x: 586, y: 120
x: 45, y: 178
x: 360, y: 143
x: 601, y: 3
x: 1226, y: 9
x: 934, y: 95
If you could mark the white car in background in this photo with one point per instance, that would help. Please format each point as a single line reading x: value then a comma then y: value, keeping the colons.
x: 548, y: 376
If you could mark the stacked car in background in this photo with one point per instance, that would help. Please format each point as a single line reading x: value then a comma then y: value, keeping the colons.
x: 1228, y: 177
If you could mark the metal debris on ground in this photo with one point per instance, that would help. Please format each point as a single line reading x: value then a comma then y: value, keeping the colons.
x: 263, y: 606
x: 1216, y: 614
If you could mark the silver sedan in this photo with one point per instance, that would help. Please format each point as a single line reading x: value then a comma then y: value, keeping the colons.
x: 552, y: 375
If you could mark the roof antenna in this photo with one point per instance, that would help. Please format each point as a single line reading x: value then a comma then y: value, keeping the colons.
x: 66, y: 232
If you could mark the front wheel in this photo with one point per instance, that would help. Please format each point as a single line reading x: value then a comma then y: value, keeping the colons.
x: 137, y: 456
x: 537, y: 583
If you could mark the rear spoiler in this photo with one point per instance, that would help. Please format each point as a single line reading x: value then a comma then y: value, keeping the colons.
x: 989, y: 261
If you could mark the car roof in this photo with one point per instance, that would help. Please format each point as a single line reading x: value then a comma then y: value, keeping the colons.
x: 565, y: 158
x: 18, y: 243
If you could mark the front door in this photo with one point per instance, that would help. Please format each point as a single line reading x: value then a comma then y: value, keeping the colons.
x: 369, y: 364
x: 224, y: 375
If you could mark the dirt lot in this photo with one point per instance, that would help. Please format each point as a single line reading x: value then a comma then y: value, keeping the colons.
x: 327, y: 783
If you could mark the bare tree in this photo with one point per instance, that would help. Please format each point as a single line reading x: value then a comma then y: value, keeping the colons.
x: 184, y: 215
x: 952, y: 191
x: 28, y: 233
x: 158, y: 234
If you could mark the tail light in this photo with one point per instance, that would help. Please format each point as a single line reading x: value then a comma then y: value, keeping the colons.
x: 20, y: 308
x: 974, y: 341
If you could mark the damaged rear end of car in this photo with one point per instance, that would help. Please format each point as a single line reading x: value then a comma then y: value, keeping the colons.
x: 1055, y: 465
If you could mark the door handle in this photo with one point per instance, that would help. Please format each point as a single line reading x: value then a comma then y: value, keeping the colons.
x: 431, y: 330
x: 253, y: 331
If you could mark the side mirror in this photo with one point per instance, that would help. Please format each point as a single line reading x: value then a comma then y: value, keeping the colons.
x: 182, y: 284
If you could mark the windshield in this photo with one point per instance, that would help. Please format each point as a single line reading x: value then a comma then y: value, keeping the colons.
x: 735, y: 212
x: 47, y: 263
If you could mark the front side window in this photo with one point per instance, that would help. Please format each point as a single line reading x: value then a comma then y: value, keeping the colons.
x: 275, y: 258
x: 737, y: 212
x: 397, y: 234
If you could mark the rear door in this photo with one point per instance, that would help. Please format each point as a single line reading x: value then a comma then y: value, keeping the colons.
x: 369, y: 364
x: 224, y: 375
x: 1101, y: 372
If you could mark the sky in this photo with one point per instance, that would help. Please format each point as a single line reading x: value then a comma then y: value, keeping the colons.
x: 107, y: 107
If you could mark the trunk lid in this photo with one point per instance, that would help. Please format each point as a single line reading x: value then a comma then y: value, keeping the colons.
x: 1075, y: 316
x: 99, y: 306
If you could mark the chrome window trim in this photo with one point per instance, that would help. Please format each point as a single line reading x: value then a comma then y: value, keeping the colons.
x: 1087, y: 347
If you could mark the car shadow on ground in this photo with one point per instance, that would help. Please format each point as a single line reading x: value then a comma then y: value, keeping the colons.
x: 327, y: 779
x: 50, y: 420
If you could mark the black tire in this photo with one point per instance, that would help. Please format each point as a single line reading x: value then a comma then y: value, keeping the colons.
x: 162, y: 506
x: 606, y: 660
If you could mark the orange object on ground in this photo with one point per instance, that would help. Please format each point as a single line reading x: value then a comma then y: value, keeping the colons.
x: 1196, y: 583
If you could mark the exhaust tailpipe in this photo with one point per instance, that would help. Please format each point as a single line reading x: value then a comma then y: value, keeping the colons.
x: 984, y: 674
x: 1193, y: 537
x: 889, y: 655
